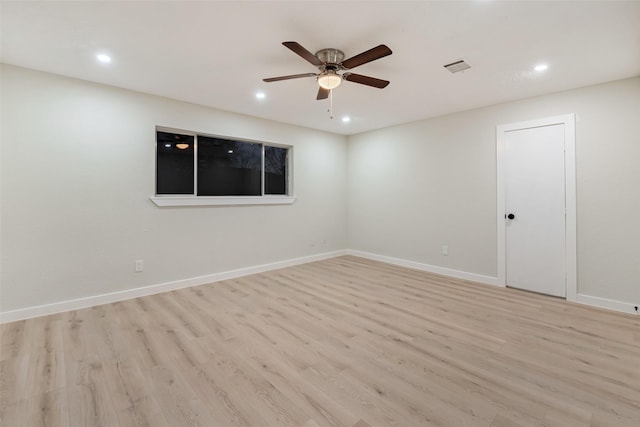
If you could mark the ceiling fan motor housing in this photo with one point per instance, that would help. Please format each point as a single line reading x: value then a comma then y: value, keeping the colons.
x: 330, y: 56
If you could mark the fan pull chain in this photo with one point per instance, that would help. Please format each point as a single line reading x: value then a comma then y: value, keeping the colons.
x: 330, y: 110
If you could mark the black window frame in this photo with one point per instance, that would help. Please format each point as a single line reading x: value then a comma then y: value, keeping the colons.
x: 263, y: 174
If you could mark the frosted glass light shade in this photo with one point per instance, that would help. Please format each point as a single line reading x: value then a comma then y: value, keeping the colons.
x: 329, y: 80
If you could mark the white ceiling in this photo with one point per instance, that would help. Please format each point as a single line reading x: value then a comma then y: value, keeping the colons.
x: 216, y: 53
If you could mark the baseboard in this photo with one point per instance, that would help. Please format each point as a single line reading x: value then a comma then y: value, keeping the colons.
x: 580, y: 298
x: 607, y: 304
x: 489, y: 280
x: 62, y: 306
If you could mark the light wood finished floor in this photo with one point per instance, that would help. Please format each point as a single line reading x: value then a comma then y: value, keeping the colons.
x: 343, y: 342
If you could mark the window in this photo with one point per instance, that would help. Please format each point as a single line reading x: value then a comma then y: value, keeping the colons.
x: 174, y: 163
x: 229, y: 168
x: 275, y: 170
x: 189, y: 164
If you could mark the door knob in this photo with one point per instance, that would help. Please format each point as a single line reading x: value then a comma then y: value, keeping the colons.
x: 511, y: 216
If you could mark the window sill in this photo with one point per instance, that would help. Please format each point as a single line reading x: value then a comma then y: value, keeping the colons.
x: 162, y: 201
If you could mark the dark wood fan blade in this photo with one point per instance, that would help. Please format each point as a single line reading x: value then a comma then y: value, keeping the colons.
x: 293, y: 76
x: 304, y: 53
x: 368, y: 56
x: 366, y: 80
x: 322, y: 93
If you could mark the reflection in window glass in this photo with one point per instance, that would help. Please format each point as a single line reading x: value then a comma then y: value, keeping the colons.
x: 174, y: 163
x: 229, y: 168
x: 275, y: 170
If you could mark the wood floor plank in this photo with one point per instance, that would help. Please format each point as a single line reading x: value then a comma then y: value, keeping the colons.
x: 45, y: 371
x: 344, y: 342
x: 283, y: 374
x: 179, y: 405
x: 132, y: 399
x: 226, y: 407
x: 44, y: 410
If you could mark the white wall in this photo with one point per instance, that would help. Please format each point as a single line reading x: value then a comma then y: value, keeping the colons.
x: 77, y: 172
x: 416, y: 187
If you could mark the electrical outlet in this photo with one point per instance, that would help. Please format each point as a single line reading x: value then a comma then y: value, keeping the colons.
x: 445, y: 250
x: 139, y: 265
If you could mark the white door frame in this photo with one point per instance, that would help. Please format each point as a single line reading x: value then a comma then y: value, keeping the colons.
x: 568, y: 121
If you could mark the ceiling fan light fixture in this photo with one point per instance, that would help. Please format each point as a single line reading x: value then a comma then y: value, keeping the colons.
x: 330, y: 62
x: 329, y: 80
x: 182, y: 146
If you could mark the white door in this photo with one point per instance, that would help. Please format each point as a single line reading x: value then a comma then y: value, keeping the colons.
x: 535, y: 234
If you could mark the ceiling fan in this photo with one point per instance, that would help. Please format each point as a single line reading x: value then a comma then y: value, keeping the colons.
x: 330, y: 62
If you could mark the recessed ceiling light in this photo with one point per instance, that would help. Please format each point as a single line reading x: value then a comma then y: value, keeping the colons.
x: 105, y: 59
x: 261, y: 95
x: 346, y: 119
x: 541, y: 67
x: 230, y: 151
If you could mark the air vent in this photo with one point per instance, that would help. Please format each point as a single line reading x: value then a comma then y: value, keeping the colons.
x: 454, y: 67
